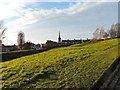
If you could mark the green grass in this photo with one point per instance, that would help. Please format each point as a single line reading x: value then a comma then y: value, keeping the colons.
x: 76, y: 66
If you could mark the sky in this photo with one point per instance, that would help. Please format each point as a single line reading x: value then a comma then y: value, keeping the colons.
x: 43, y: 20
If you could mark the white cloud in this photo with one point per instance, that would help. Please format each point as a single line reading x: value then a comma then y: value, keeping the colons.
x: 9, y: 9
x: 29, y: 16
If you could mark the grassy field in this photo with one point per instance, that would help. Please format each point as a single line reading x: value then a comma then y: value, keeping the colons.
x: 76, y: 66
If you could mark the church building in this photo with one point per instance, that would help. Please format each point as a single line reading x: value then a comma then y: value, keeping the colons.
x: 59, y: 38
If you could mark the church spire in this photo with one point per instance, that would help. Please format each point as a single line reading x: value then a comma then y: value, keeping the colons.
x: 59, y: 38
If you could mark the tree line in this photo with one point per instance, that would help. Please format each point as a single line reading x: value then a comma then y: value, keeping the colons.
x: 113, y: 32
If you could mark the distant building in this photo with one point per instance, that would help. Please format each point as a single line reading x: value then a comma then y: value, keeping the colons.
x: 70, y: 42
x: 51, y: 44
x: 43, y: 45
x: 59, y: 38
x: 8, y: 48
x: 67, y: 42
x: 37, y: 46
x: 87, y: 40
x: 30, y: 45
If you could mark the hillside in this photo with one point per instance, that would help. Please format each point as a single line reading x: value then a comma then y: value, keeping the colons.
x: 76, y: 66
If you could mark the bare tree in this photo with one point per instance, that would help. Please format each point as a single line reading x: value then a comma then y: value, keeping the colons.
x: 105, y: 35
x: 2, y: 31
x: 111, y: 31
x: 99, y: 33
x: 117, y: 29
x: 2, y: 34
x: 114, y: 30
x: 21, y: 39
x: 95, y: 34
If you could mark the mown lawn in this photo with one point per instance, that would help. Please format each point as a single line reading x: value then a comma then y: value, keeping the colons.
x: 76, y: 66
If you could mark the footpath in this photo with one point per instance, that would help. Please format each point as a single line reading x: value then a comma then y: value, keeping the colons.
x: 110, y: 80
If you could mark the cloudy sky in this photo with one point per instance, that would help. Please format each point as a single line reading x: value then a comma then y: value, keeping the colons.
x: 42, y: 21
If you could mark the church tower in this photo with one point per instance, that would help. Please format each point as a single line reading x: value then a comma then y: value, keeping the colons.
x: 59, y: 38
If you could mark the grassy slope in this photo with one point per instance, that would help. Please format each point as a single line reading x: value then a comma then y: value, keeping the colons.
x: 78, y: 66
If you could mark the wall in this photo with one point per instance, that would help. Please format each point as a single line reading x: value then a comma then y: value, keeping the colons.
x: 16, y: 54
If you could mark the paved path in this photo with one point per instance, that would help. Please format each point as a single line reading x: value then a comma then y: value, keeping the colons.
x: 113, y: 81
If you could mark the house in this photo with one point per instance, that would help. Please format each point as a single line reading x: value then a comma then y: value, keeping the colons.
x: 67, y: 42
x: 70, y: 42
x: 86, y: 40
x: 51, y: 44
x: 7, y: 48
x: 43, y: 45
x: 30, y: 45
x: 37, y: 46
